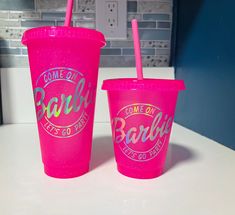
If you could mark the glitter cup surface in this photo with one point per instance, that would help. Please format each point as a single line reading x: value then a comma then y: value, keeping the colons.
x: 64, y: 65
x: 141, y: 115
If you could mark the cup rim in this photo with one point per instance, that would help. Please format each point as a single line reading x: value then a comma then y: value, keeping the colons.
x: 61, y: 32
x: 145, y: 84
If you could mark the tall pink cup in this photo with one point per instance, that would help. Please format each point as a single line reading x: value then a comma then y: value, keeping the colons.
x: 142, y: 113
x: 64, y: 67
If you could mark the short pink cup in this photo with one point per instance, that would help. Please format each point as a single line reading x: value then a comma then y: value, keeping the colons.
x: 64, y: 65
x: 141, y: 114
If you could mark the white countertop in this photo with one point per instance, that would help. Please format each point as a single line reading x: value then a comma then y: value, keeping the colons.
x: 199, y: 179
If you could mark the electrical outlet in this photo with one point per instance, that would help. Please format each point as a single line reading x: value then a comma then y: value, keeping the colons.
x: 111, y: 18
x: 111, y: 14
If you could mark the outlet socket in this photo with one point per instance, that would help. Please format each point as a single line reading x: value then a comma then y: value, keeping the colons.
x: 111, y: 18
x: 111, y: 14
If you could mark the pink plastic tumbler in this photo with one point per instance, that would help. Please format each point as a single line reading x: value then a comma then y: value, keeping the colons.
x: 142, y: 113
x: 64, y: 67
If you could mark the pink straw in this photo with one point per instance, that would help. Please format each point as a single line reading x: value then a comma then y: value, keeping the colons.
x: 69, y: 10
x: 138, y: 58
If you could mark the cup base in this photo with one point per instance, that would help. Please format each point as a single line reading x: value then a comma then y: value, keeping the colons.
x: 139, y: 174
x: 66, y: 172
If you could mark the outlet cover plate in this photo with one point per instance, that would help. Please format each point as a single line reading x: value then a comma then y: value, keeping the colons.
x: 111, y: 18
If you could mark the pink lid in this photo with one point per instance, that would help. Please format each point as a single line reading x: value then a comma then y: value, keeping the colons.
x: 145, y: 84
x: 63, y: 32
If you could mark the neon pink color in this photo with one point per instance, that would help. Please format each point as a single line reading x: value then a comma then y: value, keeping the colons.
x: 69, y: 11
x: 64, y: 67
x: 141, y: 114
x: 138, y: 58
